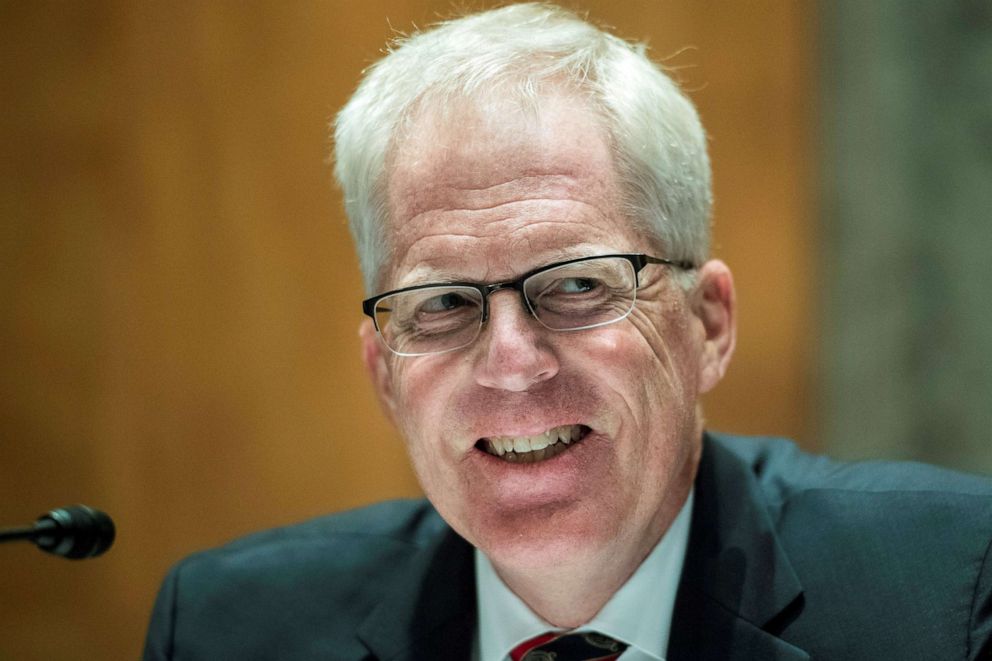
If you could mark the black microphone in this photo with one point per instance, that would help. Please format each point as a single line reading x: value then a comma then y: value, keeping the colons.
x: 74, y: 532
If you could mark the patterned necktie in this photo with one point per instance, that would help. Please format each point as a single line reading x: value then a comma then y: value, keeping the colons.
x: 585, y: 646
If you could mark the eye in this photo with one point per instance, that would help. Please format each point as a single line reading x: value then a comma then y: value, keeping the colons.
x: 445, y: 302
x: 576, y: 285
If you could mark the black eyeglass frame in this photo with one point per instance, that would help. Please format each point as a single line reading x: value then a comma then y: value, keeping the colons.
x: 637, y: 260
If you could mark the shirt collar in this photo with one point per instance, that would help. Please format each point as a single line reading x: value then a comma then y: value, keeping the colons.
x: 505, y: 621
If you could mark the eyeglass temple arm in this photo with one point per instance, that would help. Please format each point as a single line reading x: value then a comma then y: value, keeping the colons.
x: 684, y: 265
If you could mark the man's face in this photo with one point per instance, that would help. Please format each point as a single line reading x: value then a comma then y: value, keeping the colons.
x: 486, y: 198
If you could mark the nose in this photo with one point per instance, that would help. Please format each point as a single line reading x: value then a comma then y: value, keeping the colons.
x: 513, y: 354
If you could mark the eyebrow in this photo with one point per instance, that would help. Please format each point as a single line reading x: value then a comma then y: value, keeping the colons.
x: 427, y: 275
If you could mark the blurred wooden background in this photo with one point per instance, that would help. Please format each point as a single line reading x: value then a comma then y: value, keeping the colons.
x: 180, y: 299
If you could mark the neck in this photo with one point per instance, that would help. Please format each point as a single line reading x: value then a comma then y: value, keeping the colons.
x: 570, y: 594
x: 566, y: 597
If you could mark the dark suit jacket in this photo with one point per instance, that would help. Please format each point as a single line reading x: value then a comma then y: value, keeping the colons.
x: 790, y: 557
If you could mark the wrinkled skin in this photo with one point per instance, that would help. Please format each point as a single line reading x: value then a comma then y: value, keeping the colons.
x: 486, y: 198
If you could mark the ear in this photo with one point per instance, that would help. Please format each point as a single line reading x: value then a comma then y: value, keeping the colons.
x: 373, y: 353
x: 714, y: 304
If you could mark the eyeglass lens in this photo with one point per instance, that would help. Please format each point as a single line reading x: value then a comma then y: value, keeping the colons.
x: 573, y: 296
x: 429, y: 320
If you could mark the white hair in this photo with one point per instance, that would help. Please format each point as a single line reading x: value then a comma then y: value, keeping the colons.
x: 658, y: 143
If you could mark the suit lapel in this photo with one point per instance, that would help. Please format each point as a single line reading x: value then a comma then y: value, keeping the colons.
x: 738, y: 588
x: 431, y: 612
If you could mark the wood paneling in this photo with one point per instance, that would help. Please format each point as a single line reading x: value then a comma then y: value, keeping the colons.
x: 180, y: 299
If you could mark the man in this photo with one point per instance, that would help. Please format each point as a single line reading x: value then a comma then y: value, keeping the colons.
x: 530, y: 201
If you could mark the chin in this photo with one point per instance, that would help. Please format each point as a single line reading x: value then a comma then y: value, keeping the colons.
x: 539, y: 539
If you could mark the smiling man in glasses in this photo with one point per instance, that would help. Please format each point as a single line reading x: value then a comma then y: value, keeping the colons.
x: 530, y: 199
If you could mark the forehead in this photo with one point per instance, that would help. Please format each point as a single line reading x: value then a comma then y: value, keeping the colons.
x: 494, y: 189
x: 470, y: 145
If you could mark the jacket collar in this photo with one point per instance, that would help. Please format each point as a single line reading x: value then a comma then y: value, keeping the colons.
x: 431, y: 612
x: 738, y: 588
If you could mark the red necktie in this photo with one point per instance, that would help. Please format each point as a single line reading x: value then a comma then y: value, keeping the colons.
x: 585, y: 646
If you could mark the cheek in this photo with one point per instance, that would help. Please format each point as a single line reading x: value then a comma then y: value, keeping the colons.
x: 669, y: 338
x: 649, y: 375
x: 423, y: 388
x: 418, y: 384
x: 651, y: 390
x: 644, y: 362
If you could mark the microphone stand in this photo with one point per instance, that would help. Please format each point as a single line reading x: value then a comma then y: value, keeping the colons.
x: 74, y: 532
x: 12, y: 534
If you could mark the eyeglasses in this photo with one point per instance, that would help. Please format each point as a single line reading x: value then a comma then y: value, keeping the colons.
x: 565, y: 296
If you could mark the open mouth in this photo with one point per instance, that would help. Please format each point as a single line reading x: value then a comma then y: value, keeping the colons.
x: 528, y: 449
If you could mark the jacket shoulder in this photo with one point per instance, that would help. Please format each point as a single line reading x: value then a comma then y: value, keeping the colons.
x: 785, y: 471
x: 413, y: 522
x: 882, y: 511
x: 872, y: 538
x: 337, y: 544
x: 292, y: 589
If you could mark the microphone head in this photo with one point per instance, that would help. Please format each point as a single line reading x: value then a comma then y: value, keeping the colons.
x: 75, y: 532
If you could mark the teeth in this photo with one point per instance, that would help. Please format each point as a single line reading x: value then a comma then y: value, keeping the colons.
x: 501, y: 445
